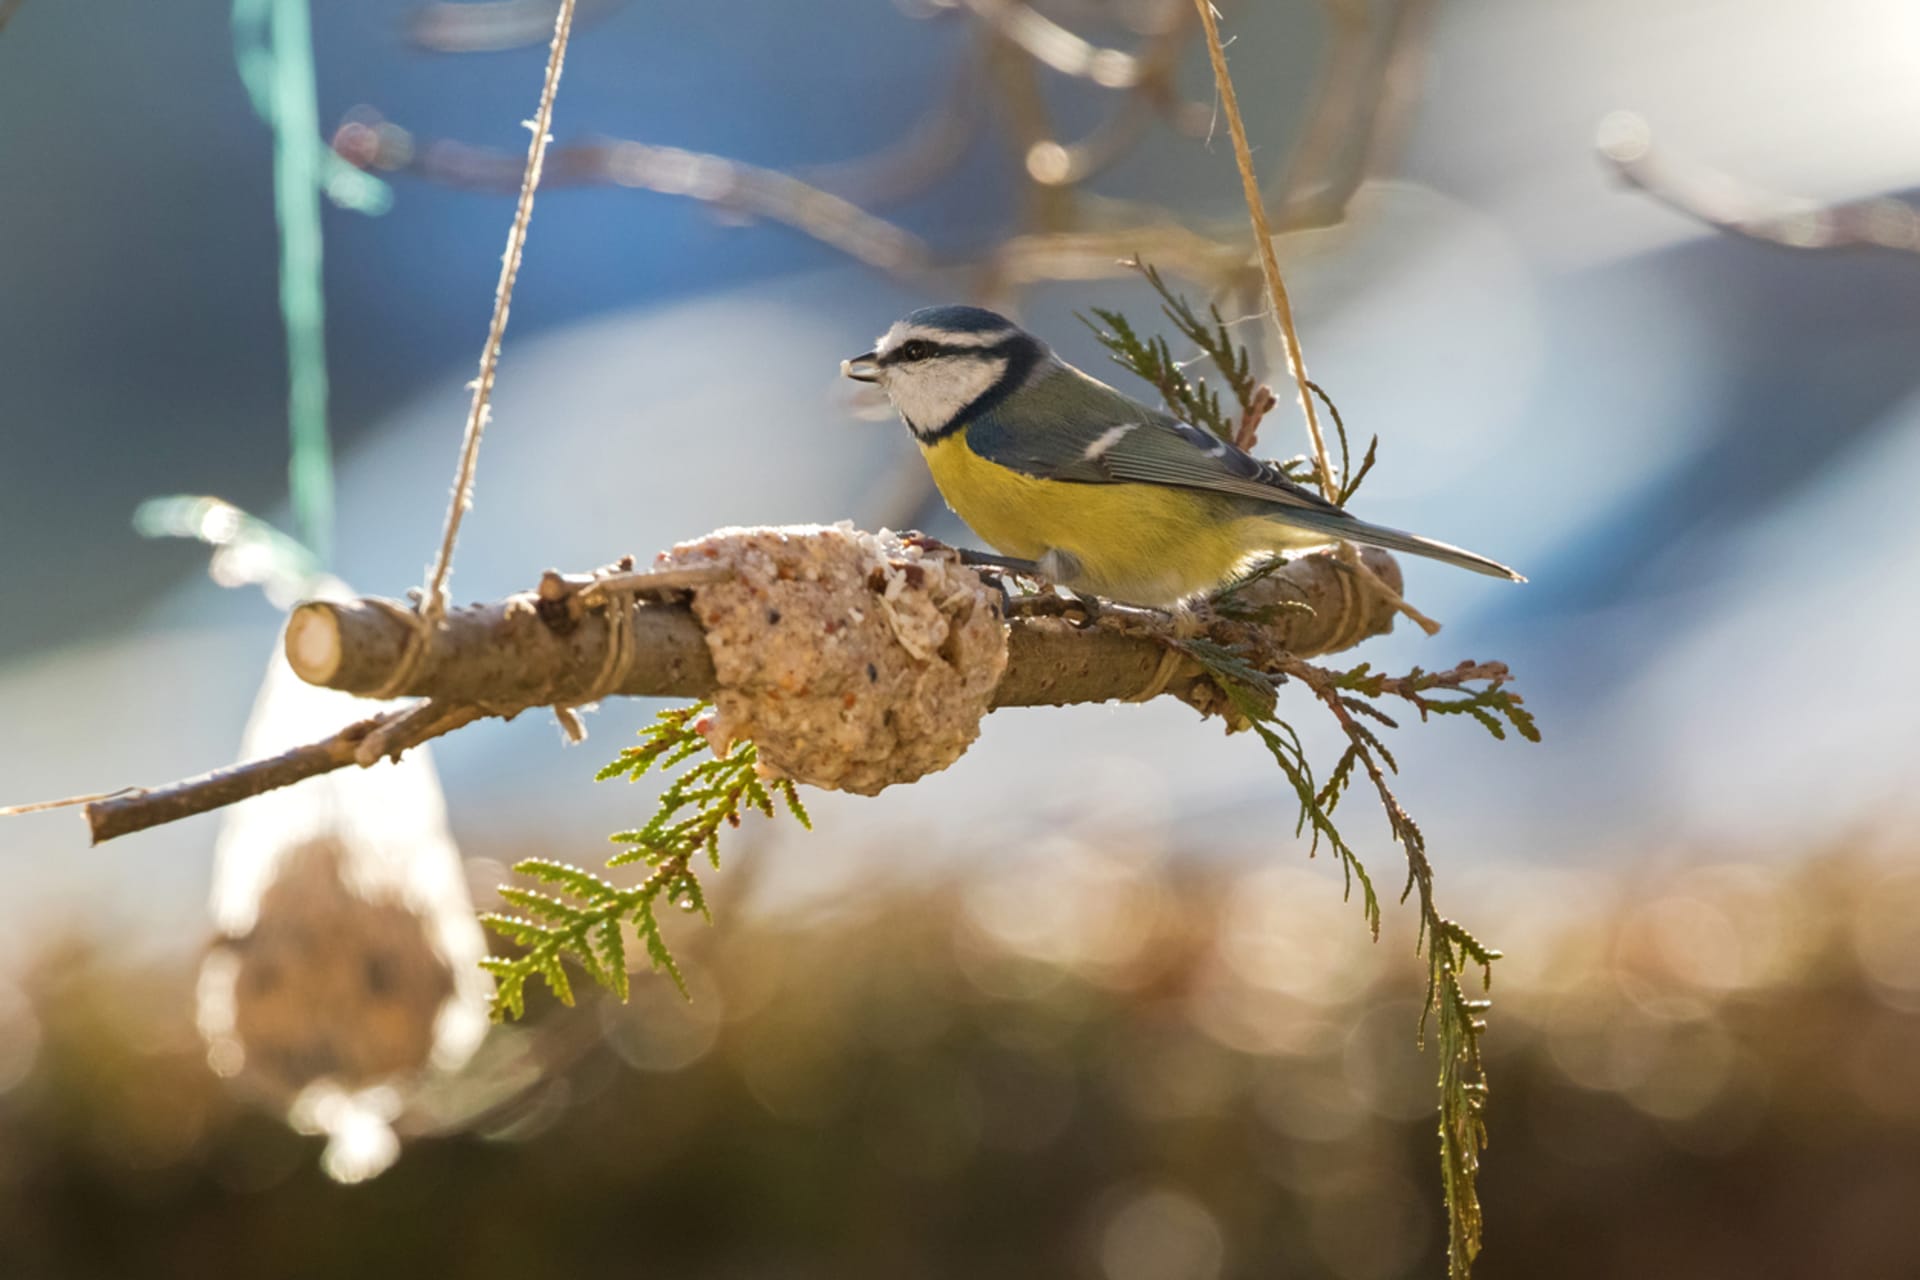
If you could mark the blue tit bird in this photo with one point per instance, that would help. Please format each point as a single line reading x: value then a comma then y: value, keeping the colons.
x: 1109, y: 497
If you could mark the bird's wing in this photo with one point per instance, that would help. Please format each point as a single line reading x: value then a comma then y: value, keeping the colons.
x: 1077, y: 429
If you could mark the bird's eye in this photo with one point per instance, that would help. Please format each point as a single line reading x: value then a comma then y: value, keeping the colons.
x: 915, y: 350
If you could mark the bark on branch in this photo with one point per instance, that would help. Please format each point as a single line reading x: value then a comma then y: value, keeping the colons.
x: 545, y: 647
x: 550, y: 647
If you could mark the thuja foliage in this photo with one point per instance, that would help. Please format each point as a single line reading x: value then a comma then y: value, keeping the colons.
x: 1191, y: 400
x: 1354, y: 698
x: 584, y: 917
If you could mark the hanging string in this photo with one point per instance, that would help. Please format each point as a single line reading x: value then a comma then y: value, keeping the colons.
x: 434, y: 606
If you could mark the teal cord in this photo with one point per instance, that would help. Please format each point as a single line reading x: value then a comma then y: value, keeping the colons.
x: 296, y: 200
x: 273, y: 47
x: 345, y: 185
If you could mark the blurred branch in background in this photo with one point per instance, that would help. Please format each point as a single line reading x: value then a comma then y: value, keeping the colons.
x: 1063, y: 231
x: 371, y: 142
x: 924, y: 154
x: 7, y: 9
x: 1367, y: 92
x: 1047, y: 42
x: 490, y: 26
x: 1625, y: 144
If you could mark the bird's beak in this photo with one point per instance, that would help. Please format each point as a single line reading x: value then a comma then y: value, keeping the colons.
x: 862, y: 368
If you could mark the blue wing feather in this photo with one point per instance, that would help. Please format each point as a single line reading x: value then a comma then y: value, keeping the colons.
x: 1068, y: 427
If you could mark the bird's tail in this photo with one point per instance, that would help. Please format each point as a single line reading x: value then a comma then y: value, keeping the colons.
x: 1342, y: 526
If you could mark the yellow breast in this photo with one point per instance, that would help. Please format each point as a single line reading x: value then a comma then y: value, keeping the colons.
x: 1143, y: 543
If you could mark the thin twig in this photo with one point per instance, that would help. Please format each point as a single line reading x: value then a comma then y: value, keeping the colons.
x: 1247, y: 434
x: 434, y: 604
x: 1349, y: 558
x: 1263, y: 240
x: 651, y: 582
x: 43, y: 806
x: 137, y: 808
x: 429, y: 719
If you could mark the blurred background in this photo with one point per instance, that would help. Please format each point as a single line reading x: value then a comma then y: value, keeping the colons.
x: 1630, y: 291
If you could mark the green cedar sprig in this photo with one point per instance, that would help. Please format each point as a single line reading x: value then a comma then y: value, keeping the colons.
x: 1448, y: 693
x: 1190, y: 398
x: 1457, y: 1017
x: 583, y: 919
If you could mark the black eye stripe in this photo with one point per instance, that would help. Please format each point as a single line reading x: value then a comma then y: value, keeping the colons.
x: 899, y: 354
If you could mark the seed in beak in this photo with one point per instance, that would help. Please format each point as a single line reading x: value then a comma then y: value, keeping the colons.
x: 861, y: 368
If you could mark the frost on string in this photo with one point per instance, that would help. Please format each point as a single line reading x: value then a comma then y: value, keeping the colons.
x: 851, y: 660
x: 346, y: 968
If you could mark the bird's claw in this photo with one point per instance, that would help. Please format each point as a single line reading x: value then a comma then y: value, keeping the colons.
x: 1083, y: 612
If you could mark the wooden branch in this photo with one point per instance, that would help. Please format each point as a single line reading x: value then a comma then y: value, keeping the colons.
x: 549, y: 647
x: 535, y: 648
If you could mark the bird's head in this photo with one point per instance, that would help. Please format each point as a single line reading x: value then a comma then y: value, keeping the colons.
x: 942, y: 366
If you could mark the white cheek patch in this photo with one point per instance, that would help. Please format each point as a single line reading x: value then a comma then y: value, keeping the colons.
x: 929, y: 393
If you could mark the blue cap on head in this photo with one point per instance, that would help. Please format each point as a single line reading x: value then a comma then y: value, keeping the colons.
x: 960, y: 319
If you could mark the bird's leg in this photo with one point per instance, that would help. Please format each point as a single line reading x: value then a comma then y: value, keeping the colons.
x: 915, y: 538
x: 1051, y: 600
x: 995, y: 570
x: 1050, y: 572
x: 1058, y: 567
x: 1011, y: 566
